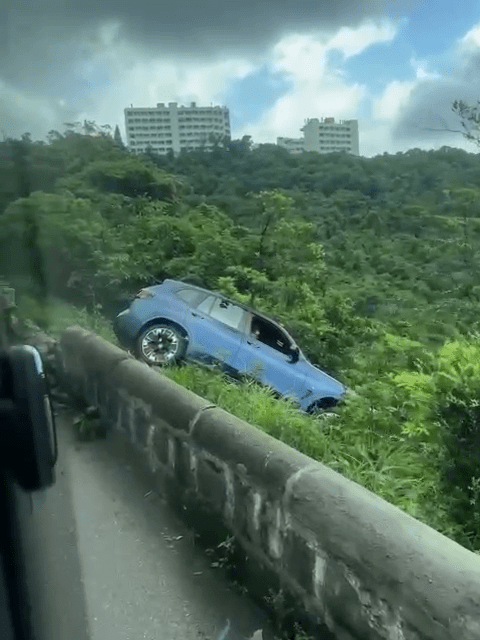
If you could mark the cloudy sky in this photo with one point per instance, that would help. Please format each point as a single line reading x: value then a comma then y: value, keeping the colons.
x: 395, y: 65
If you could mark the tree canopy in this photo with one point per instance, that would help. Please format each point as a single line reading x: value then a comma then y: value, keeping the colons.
x: 372, y: 264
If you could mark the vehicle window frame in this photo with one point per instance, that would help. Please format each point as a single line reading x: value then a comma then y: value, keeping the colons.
x: 241, y: 326
x: 280, y: 330
x: 202, y: 296
x: 207, y: 313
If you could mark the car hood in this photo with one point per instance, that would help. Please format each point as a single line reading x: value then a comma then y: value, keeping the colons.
x: 316, y: 378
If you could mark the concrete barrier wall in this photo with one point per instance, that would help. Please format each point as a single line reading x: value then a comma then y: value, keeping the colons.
x: 321, y: 548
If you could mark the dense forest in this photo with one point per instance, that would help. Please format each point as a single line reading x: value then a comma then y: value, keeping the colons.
x: 372, y: 264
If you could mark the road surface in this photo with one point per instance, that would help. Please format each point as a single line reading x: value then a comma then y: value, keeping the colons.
x: 107, y: 559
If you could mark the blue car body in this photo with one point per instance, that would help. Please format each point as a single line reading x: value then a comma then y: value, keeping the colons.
x: 241, y: 340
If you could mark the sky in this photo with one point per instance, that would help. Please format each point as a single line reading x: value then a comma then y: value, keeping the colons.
x: 395, y: 65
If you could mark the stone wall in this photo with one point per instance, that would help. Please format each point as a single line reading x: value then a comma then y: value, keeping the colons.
x: 321, y: 549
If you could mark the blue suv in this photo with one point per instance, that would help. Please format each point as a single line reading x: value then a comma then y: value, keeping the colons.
x: 177, y: 321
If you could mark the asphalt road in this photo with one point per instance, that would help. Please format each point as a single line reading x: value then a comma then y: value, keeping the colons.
x: 107, y: 559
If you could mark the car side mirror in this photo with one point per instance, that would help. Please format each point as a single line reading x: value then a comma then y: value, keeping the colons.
x: 295, y: 355
x: 27, y: 423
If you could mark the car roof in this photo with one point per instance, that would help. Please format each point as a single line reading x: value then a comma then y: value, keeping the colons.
x: 239, y: 304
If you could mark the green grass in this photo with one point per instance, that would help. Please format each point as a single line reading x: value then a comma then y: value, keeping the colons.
x: 392, y: 467
x: 56, y: 316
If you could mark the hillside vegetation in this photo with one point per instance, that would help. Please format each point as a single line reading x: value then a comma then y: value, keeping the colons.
x: 372, y: 264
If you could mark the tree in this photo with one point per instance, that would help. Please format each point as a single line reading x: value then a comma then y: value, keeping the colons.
x: 370, y: 263
x: 117, y: 138
x: 129, y: 175
x: 54, y: 136
x: 87, y: 128
x: 239, y: 147
x: 470, y: 119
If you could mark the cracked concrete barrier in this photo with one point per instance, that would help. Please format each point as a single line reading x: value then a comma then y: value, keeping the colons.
x: 315, y: 547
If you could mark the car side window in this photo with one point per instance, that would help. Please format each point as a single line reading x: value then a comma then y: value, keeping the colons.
x: 270, y: 335
x: 228, y: 313
x: 206, y: 304
x: 191, y: 296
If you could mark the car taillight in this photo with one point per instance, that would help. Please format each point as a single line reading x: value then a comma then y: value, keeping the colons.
x: 144, y: 293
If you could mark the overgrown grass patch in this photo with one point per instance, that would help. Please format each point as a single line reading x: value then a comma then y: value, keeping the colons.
x: 394, y: 468
x: 401, y: 470
x: 55, y: 316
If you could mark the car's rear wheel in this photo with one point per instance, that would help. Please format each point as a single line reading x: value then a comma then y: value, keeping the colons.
x: 160, y: 344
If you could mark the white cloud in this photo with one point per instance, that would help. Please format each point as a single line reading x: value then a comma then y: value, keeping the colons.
x: 471, y: 40
x: 394, y: 97
x: 317, y: 88
x: 305, y: 56
x: 376, y: 135
x: 421, y: 71
x: 353, y: 41
x: 320, y: 89
x: 17, y: 109
x: 142, y: 81
x: 287, y: 116
x: 116, y: 74
x: 300, y: 56
x: 376, y: 138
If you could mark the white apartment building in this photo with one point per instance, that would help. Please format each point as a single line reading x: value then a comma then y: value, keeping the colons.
x: 294, y: 145
x: 174, y: 128
x: 326, y: 135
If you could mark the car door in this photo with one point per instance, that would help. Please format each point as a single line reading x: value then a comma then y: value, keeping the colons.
x: 216, y: 329
x: 265, y: 354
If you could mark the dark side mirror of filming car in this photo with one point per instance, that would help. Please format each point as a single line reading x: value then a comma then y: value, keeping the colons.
x: 28, y: 448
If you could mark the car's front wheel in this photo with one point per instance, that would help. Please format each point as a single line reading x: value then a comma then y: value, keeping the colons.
x: 321, y: 406
x: 160, y: 344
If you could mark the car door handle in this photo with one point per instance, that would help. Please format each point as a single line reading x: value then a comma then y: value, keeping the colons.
x: 253, y: 344
x: 197, y: 315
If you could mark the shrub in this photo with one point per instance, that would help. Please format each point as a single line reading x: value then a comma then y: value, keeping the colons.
x: 456, y: 410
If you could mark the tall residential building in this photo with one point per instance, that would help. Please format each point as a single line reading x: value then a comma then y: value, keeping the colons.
x: 326, y: 135
x: 174, y: 128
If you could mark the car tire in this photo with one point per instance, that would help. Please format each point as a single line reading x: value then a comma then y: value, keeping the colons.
x: 160, y: 345
x: 322, y: 406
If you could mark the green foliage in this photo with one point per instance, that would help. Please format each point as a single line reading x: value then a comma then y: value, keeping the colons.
x: 129, y: 176
x: 370, y: 264
x: 469, y: 117
x: 90, y: 260
x: 34, y: 310
x: 55, y: 316
x: 456, y: 411
x: 117, y: 138
x: 435, y: 407
x: 357, y: 444
x: 73, y: 240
